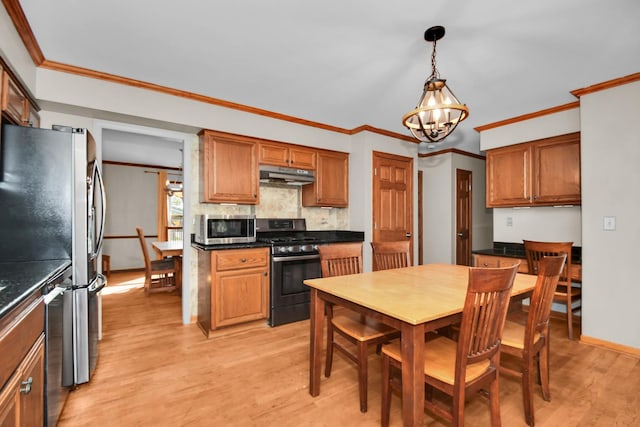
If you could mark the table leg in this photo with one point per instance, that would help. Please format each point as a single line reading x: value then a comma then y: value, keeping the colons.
x: 177, y: 263
x: 315, y: 347
x: 412, y: 374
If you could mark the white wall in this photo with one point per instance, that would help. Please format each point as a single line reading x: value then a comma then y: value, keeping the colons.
x: 439, y: 206
x: 544, y: 223
x: 14, y: 53
x: 132, y: 202
x: 610, y: 177
x: 482, y: 218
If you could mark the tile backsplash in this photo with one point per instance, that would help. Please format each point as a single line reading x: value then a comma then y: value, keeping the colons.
x: 283, y: 201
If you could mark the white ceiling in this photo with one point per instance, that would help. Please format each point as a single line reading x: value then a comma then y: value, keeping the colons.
x: 348, y: 63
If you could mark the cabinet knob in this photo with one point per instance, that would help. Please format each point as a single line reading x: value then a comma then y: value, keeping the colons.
x: 243, y: 260
x: 25, y: 386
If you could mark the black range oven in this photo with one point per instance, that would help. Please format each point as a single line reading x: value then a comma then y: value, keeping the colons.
x: 294, y: 258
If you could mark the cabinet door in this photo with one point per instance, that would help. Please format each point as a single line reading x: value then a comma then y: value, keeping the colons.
x: 240, y: 296
x: 302, y: 158
x: 30, y: 117
x: 229, y: 169
x: 13, y: 100
x: 509, y: 176
x: 274, y: 154
x: 331, y: 187
x: 31, y: 386
x: 9, y: 398
x: 557, y: 170
x: 287, y: 155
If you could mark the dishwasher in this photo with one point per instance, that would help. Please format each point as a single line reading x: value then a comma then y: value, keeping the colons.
x: 58, y: 301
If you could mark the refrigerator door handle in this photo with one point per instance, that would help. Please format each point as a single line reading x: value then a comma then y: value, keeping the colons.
x: 98, y: 284
x: 103, y: 204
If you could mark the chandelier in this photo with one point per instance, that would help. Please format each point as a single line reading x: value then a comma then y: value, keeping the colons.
x: 438, y: 112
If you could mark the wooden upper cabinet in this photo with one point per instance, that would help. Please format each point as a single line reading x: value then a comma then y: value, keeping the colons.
x: 538, y: 173
x: 13, y: 100
x: 280, y: 154
x: 556, y: 173
x: 15, y: 104
x: 30, y: 115
x: 508, y: 176
x: 331, y: 188
x: 228, y: 168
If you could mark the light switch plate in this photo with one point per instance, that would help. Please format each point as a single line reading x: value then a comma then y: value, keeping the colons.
x: 609, y: 223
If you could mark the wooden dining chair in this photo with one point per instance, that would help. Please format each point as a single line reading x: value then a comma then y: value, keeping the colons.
x: 159, y: 275
x: 359, y: 330
x: 531, y: 341
x: 468, y: 365
x: 388, y: 255
x: 565, y: 292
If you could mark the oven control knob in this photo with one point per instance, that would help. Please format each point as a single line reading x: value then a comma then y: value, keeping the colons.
x: 291, y: 249
x: 306, y: 248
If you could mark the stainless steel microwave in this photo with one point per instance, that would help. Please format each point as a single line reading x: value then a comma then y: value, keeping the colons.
x: 225, y: 229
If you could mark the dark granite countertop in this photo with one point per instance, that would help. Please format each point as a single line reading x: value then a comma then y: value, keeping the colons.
x: 18, y: 280
x: 326, y: 236
x: 202, y: 247
x: 516, y: 250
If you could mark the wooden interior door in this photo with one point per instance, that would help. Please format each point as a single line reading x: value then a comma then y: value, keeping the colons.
x: 392, y: 198
x: 463, y: 217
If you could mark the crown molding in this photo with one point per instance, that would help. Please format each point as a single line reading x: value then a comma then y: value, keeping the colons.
x: 552, y: 110
x: 606, y: 85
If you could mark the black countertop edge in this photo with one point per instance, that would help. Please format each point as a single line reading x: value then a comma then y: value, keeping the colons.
x: 18, y: 280
x: 249, y: 245
x: 516, y: 250
x: 330, y: 236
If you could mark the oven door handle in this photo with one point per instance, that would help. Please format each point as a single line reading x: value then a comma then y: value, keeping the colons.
x: 295, y: 258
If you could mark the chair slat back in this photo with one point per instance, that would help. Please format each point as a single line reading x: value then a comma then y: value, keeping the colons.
x: 535, y: 251
x: 340, y: 259
x: 388, y: 255
x: 483, y: 316
x: 145, y: 251
x: 549, y: 271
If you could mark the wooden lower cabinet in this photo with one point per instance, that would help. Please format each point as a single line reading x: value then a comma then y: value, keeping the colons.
x: 22, y: 365
x: 480, y: 260
x: 498, y: 261
x: 22, y: 399
x: 233, y: 287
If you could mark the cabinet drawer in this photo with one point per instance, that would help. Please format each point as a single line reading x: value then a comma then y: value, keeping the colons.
x: 497, y: 261
x: 19, y: 329
x: 237, y: 259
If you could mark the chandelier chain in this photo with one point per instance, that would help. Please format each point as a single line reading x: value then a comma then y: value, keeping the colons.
x: 434, y: 70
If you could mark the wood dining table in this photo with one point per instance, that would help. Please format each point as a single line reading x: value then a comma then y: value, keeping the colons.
x: 173, y: 249
x: 413, y: 300
x: 166, y: 249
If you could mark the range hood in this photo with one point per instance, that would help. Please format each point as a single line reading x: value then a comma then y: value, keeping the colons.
x: 288, y: 176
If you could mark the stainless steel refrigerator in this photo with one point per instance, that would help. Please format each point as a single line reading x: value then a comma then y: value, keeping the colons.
x: 53, y: 208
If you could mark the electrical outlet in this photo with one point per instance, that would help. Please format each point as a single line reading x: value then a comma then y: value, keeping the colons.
x: 609, y: 223
x: 509, y: 221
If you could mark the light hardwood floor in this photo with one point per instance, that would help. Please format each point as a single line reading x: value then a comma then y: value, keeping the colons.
x: 154, y: 371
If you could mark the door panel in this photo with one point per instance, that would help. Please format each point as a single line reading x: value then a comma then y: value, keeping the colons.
x: 463, y: 217
x: 392, y: 197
